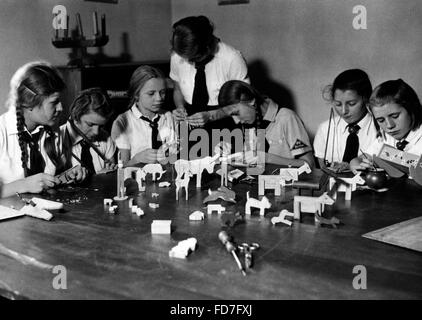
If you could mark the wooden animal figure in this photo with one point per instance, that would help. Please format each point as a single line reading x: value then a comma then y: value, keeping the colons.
x: 197, y: 166
x: 346, y: 185
x: 215, y: 207
x: 224, y: 169
x: 282, y: 217
x: 269, y: 182
x: 139, y: 173
x: 181, y: 166
x: 183, y: 183
x: 287, y: 174
x: 154, y: 168
x: 319, y: 221
x: 221, y: 193
x: 314, y: 205
x: 262, y: 204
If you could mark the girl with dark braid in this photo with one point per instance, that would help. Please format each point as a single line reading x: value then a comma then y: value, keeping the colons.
x: 30, y: 149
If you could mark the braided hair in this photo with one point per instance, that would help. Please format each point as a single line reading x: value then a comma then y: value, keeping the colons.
x: 30, y: 86
x: 236, y: 91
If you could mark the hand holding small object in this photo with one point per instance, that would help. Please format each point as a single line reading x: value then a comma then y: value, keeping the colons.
x: 180, y: 113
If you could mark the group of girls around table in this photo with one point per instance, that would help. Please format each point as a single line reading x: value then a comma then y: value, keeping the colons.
x: 210, y: 84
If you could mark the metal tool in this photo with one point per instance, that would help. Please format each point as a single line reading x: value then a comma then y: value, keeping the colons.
x: 27, y: 201
x: 247, y: 249
x: 231, y: 248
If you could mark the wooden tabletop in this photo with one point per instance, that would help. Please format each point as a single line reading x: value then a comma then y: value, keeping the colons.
x: 115, y: 256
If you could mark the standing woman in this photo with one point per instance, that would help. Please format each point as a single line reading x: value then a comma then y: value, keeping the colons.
x: 30, y: 151
x: 200, y: 64
x: 350, y: 128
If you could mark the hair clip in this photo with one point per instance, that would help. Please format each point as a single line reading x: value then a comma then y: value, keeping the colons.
x: 29, y: 89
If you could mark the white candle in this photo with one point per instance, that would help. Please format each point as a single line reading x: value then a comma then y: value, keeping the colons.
x: 95, y: 22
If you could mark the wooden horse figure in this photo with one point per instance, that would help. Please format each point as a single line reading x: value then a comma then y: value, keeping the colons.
x: 311, y: 204
x: 346, y: 185
x: 154, y: 168
x: 183, y: 183
x: 287, y: 174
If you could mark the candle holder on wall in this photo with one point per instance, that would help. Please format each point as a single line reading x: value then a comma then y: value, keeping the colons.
x: 79, y: 43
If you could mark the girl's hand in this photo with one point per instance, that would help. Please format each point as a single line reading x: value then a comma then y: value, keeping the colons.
x: 147, y: 156
x: 76, y: 174
x: 245, y: 113
x: 358, y: 164
x: 250, y: 158
x: 110, y: 166
x: 199, y: 119
x: 180, y: 114
x: 39, y: 182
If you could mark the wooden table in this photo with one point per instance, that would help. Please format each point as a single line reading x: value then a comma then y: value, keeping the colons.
x: 109, y: 256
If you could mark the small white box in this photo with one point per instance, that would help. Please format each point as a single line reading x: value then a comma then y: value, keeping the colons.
x: 161, y: 227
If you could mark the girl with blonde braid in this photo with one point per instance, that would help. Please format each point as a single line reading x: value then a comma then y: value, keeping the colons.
x: 30, y: 149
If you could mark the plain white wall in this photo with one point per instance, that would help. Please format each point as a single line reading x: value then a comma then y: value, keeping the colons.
x: 26, y: 31
x: 304, y: 44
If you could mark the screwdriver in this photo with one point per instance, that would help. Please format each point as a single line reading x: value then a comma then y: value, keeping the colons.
x: 231, y: 248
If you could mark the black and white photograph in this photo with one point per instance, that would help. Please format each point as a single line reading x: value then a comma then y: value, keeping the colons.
x: 210, y: 154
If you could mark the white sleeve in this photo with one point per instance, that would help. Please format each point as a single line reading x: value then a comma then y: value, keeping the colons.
x: 238, y: 69
x: 320, y: 141
x: 174, y: 73
x: 119, y: 133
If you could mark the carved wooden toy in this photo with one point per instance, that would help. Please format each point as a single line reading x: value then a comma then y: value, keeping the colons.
x: 153, y: 205
x: 281, y: 218
x: 196, y: 167
x: 183, y: 248
x: 196, y: 216
x: 223, y: 193
x: 262, y: 204
x: 183, y: 183
x: 164, y: 184
x: 224, y: 169
x: 314, y: 205
x: 269, y: 182
x: 36, y: 212
x: 154, y: 168
x: 140, y: 175
x: 215, y: 207
x: 346, y: 185
x: 161, y: 227
x: 319, y: 221
x: 47, y: 204
x: 287, y: 174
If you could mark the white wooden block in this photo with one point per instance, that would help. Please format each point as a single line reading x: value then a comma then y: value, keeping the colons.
x: 164, y: 184
x: 7, y: 213
x: 139, y: 212
x: 134, y: 208
x: 47, y: 204
x: 161, y: 227
x: 153, y: 205
x: 36, y: 212
x: 215, y: 207
x: 108, y: 202
x: 196, y: 216
x: 130, y: 202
